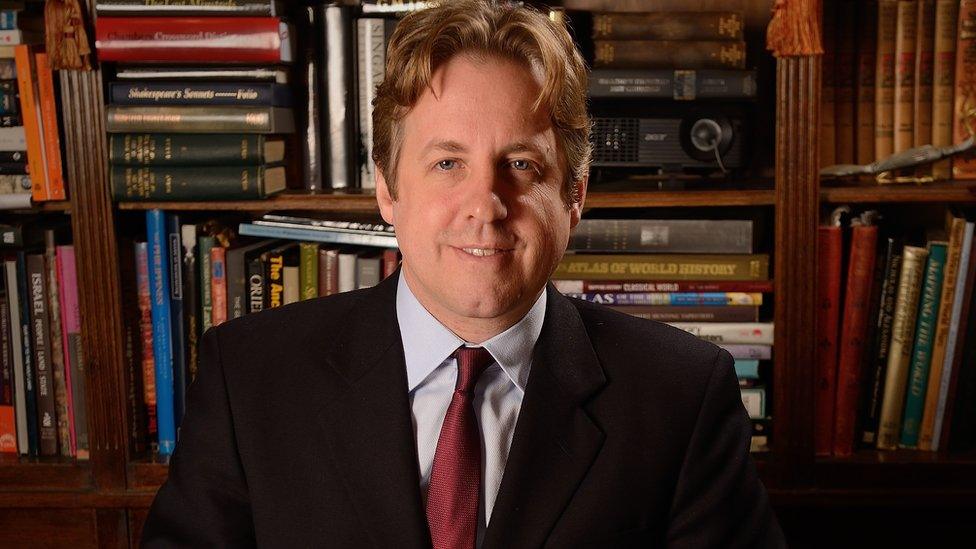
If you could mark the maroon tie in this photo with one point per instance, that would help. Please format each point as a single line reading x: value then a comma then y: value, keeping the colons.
x: 452, y: 495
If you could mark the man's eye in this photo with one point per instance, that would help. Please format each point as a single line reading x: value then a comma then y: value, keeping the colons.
x: 446, y: 165
x: 521, y: 165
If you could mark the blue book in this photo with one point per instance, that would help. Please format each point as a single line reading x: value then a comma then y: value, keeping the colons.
x: 746, y: 368
x: 174, y: 258
x: 317, y: 234
x: 161, y: 324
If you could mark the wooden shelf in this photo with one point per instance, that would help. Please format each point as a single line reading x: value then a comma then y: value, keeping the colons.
x: 366, y: 202
x: 954, y: 192
x: 62, y: 206
x: 147, y: 475
x: 43, y: 473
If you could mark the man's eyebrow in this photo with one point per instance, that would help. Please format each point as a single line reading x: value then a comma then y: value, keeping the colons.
x: 443, y: 145
x: 523, y: 146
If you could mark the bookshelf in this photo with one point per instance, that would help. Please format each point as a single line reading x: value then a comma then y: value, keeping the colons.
x: 103, y: 501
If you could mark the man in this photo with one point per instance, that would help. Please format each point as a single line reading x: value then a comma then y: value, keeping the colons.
x: 463, y: 402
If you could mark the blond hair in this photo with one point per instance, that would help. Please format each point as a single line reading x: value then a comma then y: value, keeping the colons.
x: 424, y: 40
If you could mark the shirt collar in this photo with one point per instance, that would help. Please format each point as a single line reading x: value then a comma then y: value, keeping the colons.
x: 427, y: 343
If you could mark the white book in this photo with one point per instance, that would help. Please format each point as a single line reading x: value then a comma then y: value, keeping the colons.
x: 751, y: 333
x: 754, y: 401
x: 17, y: 350
x: 291, y: 284
x: 13, y: 139
x: 347, y: 271
x: 950, y: 353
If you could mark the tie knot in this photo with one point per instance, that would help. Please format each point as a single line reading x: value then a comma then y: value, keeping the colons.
x: 472, y: 362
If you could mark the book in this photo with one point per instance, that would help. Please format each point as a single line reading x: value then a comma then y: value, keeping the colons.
x: 159, y: 283
x: 310, y: 114
x: 338, y: 96
x: 754, y: 401
x: 8, y: 420
x: 274, y: 261
x: 663, y: 267
x: 205, y: 243
x: 845, y: 77
x: 884, y: 82
x: 750, y: 333
x: 309, y: 269
x: 829, y: 251
x: 59, y: 374
x: 668, y: 54
x: 857, y: 299
x: 700, y: 299
x: 328, y: 271
x: 218, y: 285
x: 75, y: 364
x: 150, y: 183
x: 183, y: 149
x: 905, y: 32
x: 148, y: 367
x: 191, y: 297
x: 50, y: 132
x: 583, y: 286
x: 662, y: 235
x: 199, y: 119
x: 705, y: 313
x: 373, y: 34
x: 113, y: 8
x: 677, y: 84
x: 956, y: 231
x: 964, y: 165
x: 212, y: 73
x: 32, y: 130
x: 368, y: 269
x: 756, y: 352
x: 136, y: 422
x: 23, y: 413
x: 181, y: 39
x: 688, y: 25
x: 899, y: 354
x: 292, y: 231
x: 943, y: 80
x: 236, y: 275
x: 266, y: 94
x: 924, y: 67
x: 177, y: 315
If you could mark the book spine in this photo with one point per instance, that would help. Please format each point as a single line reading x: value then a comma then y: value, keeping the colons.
x: 27, y: 348
x: 74, y: 356
x: 668, y: 26
x: 218, y: 285
x: 924, y: 67
x: 747, y: 369
x: 154, y: 183
x: 907, y: 27
x: 21, y: 411
x: 328, y: 271
x: 899, y: 353
x: 178, y: 149
x: 586, y: 286
x: 41, y: 343
x: 964, y: 165
x: 680, y: 84
x: 663, y: 267
x: 181, y: 39
x: 8, y: 419
x: 13, y: 140
x: 663, y: 54
x: 255, y: 285
x: 309, y: 269
x: 957, y: 229
x: 667, y: 313
x: 844, y: 84
x: 663, y: 236
x: 148, y: 364
x: 274, y: 276
x: 371, y: 55
x: 347, y: 271
x: 199, y: 119
x: 312, y: 137
x: 751, y: 333
x: 291, y: 291
x: 724, y: 299
x: 58, y: 372
x: 391, y: 261
x: 114, y: 8
x: 829, y: 249
x: 201, y: 93
x: 36, y: 154
x: 317, y: 235
x: 755, y: 352
x: 918, y: 373
x: 943, y: 80
x: 162, y: 325
x: 367, y: 271
x: 205, y: 244
x: 754, y: 401
x: 878, y: 359
x: 132, y: 349
x: 867, y: 53
x: 339, y: 103
x: 857, y: 298
x: 174, y: 258
x: 960, y: 311
x: 50, y: 132
x: 884, y: 83
x: 191, y: 298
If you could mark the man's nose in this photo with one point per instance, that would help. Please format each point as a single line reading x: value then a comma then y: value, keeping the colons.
x: 485, y: 196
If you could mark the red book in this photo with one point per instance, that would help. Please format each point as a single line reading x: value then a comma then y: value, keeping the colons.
x: 176, y: 39
x: 829, y: 251
x: 218, y: 285
x: 857, y: 305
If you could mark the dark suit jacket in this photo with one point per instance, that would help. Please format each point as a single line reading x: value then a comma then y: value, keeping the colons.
x: 298, y: 433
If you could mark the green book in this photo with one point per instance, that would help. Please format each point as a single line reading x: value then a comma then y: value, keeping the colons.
x: 195, y: 182
x: 308, y: 270
x: 205, y: 243
x: 928, y: 315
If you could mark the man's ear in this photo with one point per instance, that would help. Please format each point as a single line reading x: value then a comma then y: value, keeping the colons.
x: 576, y: 208
x: 383, y: 197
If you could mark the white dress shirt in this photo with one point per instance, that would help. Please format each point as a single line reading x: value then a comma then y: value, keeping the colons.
x: 431, y: 374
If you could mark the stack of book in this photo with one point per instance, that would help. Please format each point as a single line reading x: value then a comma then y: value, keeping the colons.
x: 698, y: 275
x: 896, y: 342
x: 42, y: 370
x: 182, y: 132
x: 897, y: 75
x: 30, y: 147
x: 211, y: 273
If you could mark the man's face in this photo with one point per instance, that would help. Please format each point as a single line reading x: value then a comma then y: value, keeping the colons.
x: 479, y: 214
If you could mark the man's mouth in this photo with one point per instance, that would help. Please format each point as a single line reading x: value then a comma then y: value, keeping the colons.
x: 483, y: 252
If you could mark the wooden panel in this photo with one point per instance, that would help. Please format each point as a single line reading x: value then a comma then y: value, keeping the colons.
x: 113, y: 528
x: 797, y: 91
x: 40, y: 528
x: 137, y: 517
x: 93, y: 228
x: 143, y: 476
x: 43, y: 473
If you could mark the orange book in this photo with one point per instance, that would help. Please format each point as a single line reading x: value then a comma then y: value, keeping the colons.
x: 31, y: 115
x: 49, y: 127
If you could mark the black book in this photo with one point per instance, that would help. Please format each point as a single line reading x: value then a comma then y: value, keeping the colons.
x: 11, y: 120
x: 191, y: 292
x: 201, y: 93
x: 132, y: 348
x: 236, y: 266
x: 27, y: 346
x: 310, y: 114
x: 177, y: 321
x: 13, y: 156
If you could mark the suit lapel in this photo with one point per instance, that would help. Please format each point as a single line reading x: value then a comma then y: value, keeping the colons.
x: 368, y: 426
x: 555, y: 441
